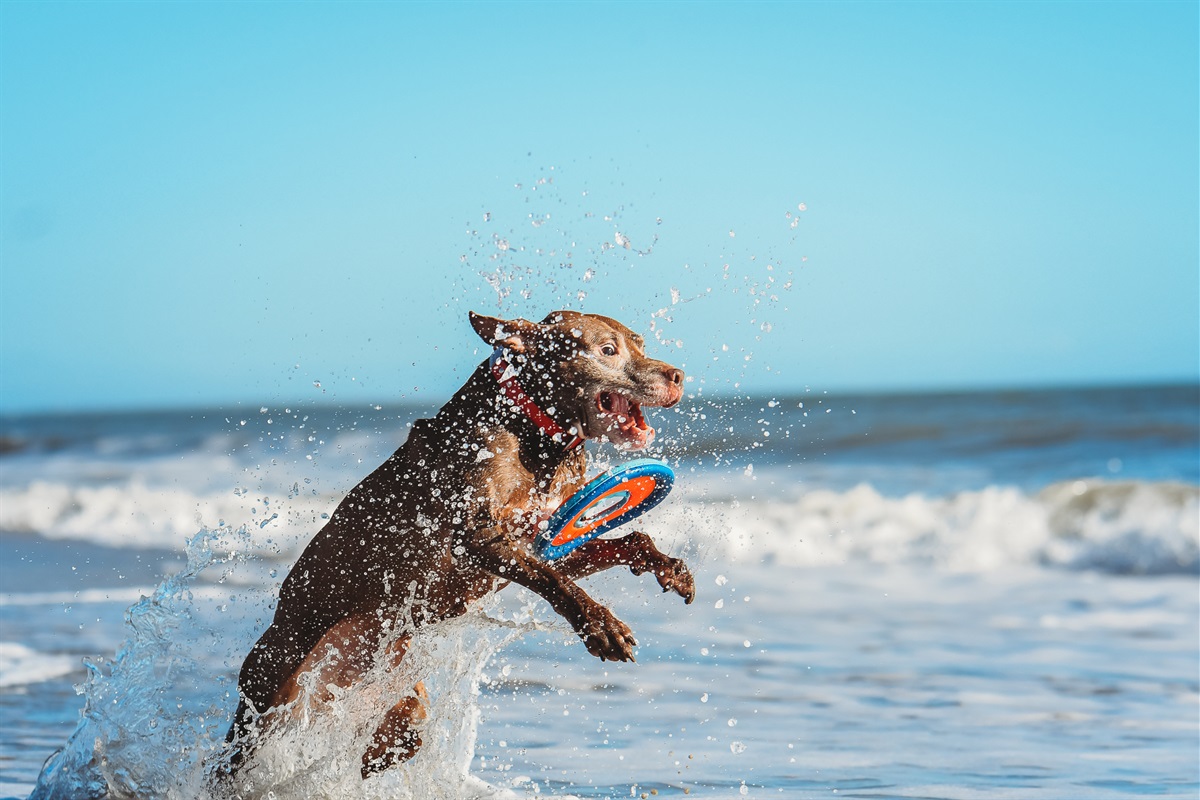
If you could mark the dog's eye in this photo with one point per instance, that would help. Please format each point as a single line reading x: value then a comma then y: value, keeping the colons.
x: 609, y: 350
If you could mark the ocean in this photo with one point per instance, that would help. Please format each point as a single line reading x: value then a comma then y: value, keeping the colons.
x: 989, y: 594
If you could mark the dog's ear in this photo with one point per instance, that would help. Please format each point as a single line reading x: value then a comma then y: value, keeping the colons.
x: 512, y: 334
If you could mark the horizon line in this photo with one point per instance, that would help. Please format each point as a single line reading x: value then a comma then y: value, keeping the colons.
x: 723, y: 395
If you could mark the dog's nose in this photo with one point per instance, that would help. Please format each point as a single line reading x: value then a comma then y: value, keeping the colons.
x: 674, y: 386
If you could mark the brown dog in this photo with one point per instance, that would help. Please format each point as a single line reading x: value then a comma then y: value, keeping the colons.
x: 451, y: 515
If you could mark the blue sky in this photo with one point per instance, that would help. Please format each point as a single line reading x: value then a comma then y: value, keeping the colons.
x: 221, y: 203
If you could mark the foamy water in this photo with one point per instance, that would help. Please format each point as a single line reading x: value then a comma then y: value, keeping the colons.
x: 20, y: 665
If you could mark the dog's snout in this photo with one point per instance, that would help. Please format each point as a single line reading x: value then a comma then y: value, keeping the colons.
x: 674, y: 380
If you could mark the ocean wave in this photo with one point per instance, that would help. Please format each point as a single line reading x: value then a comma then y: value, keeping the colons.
x: 1130, y: 527
x: 21, y: 666
x: 135, y: 513
x: 1134, y: 527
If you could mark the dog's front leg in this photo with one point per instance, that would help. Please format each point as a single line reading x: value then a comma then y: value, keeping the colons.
x: 495, y: 551
x: 635, y: 550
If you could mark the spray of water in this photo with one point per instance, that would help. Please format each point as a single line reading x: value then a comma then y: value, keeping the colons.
x: 139, y: 734
x: 146, y: 732
x: 318, y: 754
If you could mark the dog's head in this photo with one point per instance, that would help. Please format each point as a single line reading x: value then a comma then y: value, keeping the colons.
x: 587, y: 372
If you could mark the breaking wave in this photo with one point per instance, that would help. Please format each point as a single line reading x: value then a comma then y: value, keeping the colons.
x: 1143, y: 528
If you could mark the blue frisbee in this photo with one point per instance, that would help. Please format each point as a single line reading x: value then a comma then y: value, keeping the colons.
x: 610, y: 499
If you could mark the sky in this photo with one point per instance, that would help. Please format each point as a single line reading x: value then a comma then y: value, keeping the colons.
x: 242, y: 203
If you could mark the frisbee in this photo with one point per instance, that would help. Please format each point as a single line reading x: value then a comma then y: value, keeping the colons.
x: 610, y: 499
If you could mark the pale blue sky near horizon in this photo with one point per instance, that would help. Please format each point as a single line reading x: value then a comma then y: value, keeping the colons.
x: 220, y: 203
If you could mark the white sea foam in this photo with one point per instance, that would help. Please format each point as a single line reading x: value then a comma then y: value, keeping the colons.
x: 134, y: 513
x: 1137, y: 527
x: 1133, y: 527
x: 21, y: 666
x: 124, y: 594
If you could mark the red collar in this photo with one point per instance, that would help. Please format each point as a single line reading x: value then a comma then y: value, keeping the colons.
x: 507, y: 378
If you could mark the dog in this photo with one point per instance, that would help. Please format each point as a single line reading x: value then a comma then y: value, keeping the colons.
x: 451, y: 516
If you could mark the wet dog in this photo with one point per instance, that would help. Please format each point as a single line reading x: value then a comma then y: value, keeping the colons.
x: 451, y: 516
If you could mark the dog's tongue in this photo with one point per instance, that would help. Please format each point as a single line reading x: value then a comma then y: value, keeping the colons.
x: 633, y: 416
x: 638, y: 433
x: 630, y: 421
x: 641, y: 436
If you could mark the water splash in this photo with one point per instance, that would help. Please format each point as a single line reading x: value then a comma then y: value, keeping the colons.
x: 319, y: 755
x: 155, y: 715
x: 139, y: 735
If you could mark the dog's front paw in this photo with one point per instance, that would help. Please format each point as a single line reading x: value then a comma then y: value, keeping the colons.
x: 674, y: 576
x: 606, y: 637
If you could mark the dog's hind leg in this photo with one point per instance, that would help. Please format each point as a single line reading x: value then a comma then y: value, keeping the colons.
x: 398, y: 737
x: 291, y: 669
x: 636, y: 551
x: 268, y: 668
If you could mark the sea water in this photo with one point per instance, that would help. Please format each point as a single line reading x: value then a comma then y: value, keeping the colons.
x: 988, y: 594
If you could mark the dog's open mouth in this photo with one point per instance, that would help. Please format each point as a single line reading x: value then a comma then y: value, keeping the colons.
x: 622, y: 420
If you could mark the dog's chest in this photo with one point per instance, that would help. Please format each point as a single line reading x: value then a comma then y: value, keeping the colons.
x: 526, y: 499
x: 534, y: 503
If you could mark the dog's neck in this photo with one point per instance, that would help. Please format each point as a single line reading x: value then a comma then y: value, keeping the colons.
x: 484, y: 402
x: 506, y: 377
